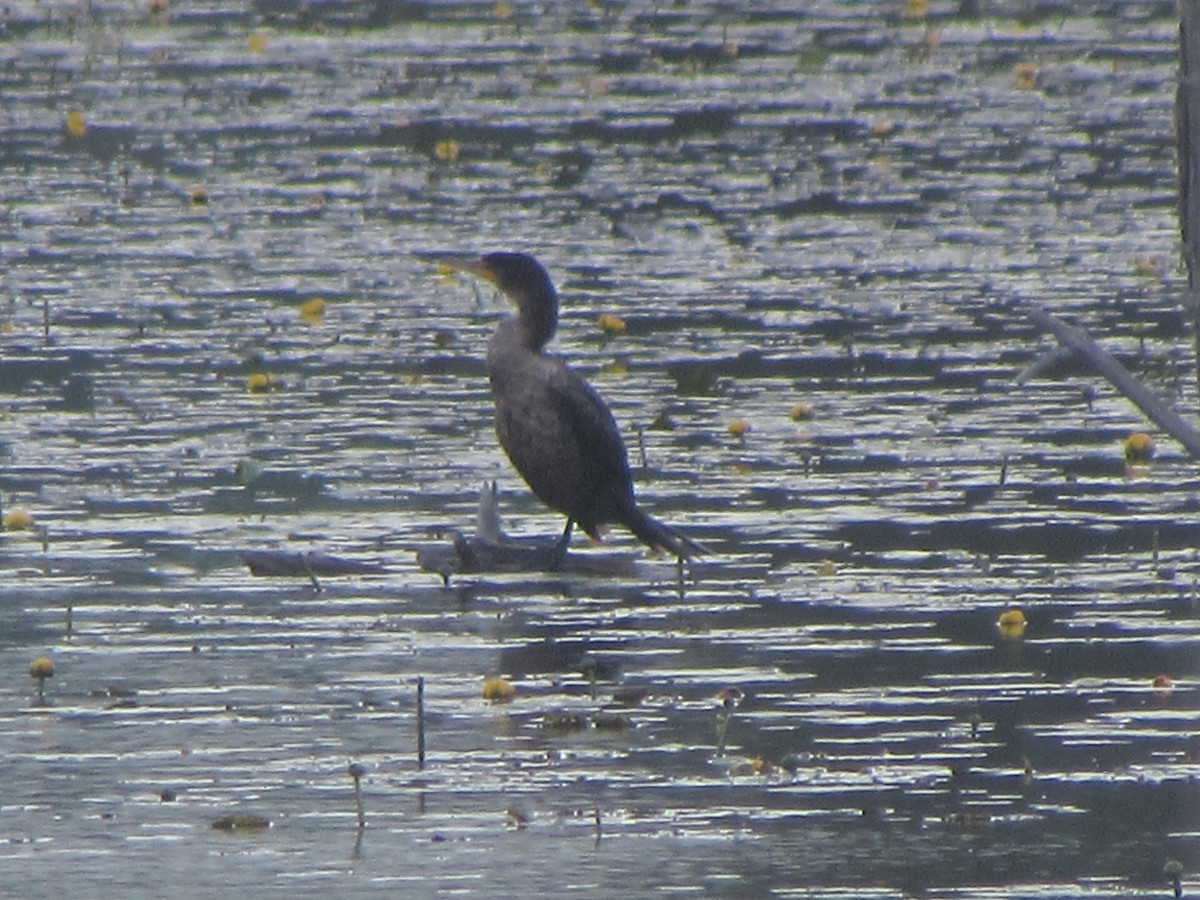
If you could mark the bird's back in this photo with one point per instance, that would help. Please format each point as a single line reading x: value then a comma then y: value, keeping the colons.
x: 559, y: 435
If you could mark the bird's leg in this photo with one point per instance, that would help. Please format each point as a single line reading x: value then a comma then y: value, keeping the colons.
x: 566, y: 536
x: 560, y: 546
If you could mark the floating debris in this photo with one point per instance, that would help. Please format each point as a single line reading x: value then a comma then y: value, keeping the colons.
x: 560, y: 722
x: 242, y: 822
x: 755, y: 766
x: 610, y: 722
x: 629, y: 696
x: 693, y: 379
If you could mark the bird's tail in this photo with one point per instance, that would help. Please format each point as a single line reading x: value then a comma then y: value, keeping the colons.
x: 656, y: 534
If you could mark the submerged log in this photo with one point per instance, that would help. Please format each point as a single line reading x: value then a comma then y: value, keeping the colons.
x: 488, y: 550
x: 304, y: 565
x: 468, y: 556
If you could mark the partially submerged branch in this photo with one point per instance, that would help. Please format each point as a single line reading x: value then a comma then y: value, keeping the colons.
x: 1077, y: 340
x: 491, y: 550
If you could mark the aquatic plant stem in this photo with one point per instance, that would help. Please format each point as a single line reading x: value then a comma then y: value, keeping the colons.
x: 723, y: 719
x: 356, y: 772
x: 420, y: 722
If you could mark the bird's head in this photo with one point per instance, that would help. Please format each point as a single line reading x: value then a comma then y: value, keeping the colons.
x: 526, y: 283
x: 517, y: 275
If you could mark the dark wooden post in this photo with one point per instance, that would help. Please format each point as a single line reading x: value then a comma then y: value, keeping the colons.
x: 1187, y: 140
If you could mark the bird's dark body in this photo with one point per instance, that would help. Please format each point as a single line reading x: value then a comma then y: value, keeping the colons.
x: 558, y: 433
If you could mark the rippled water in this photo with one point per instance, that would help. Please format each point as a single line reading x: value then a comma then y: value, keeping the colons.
x: 843, y: 209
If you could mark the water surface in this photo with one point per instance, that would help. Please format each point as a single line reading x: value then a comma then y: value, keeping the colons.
x: 843, y: 209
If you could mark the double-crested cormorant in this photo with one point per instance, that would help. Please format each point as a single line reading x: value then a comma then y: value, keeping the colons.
x: 552, y: 424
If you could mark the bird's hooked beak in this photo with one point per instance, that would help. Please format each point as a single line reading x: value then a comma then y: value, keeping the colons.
x: 473, y: 265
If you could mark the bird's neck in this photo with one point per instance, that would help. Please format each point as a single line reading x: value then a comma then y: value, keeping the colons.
x: 537, y: 317
x: 509, y: 348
